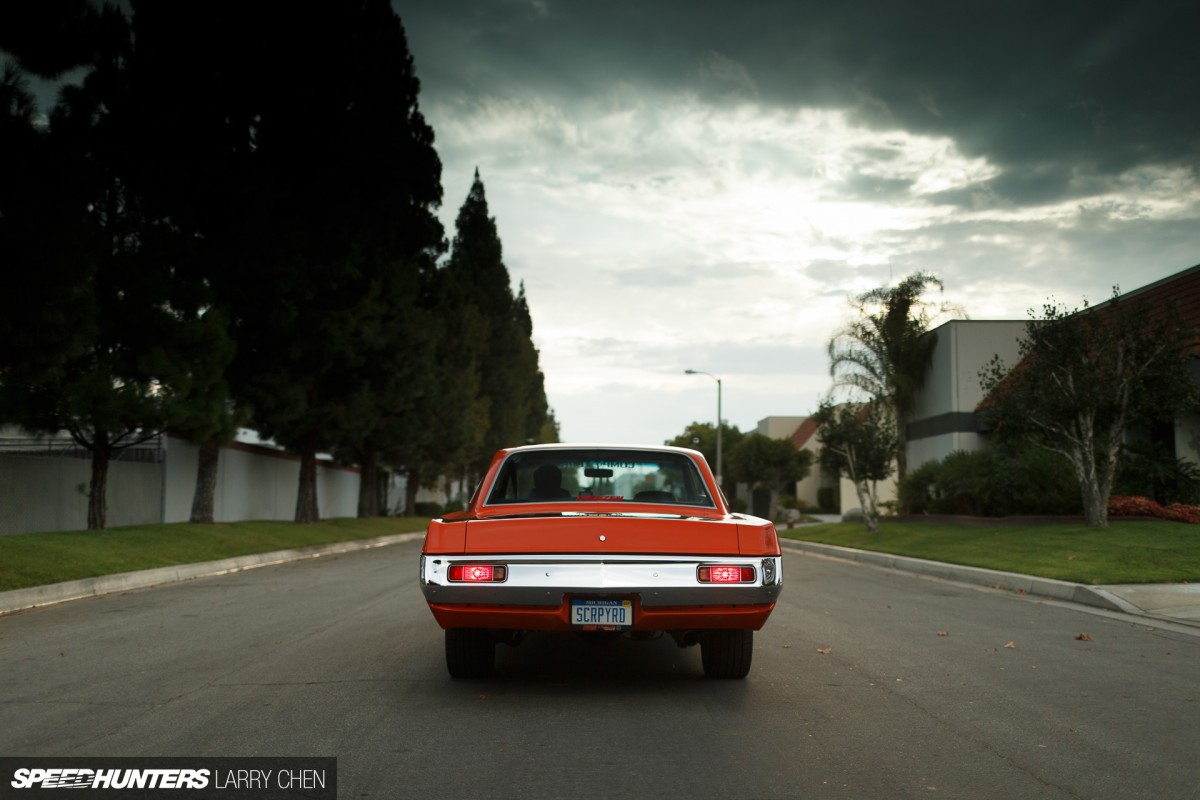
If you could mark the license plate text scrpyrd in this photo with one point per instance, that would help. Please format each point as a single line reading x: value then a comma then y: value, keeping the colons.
x: 607, y: 613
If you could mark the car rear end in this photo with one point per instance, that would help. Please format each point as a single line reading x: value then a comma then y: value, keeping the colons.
x: 602, y: 563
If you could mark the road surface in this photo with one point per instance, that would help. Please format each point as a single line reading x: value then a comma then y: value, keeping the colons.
x: 866, y: 683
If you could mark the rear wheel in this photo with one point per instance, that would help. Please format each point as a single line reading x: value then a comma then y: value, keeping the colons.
x: 727, y: 653
x: 470, y: 652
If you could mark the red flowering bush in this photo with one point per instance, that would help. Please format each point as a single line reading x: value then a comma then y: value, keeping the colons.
x: 1145, y: 507
x: 1183, y: 513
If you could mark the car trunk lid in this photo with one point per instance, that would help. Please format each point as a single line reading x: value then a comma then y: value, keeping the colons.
x: 602, y: 533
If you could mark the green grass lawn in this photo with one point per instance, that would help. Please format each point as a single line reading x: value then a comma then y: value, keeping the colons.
x: 1124, y: 552
x: 34, y: 559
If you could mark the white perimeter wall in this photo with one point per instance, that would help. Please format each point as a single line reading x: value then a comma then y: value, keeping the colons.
x: 254, y: 483
x: 44, y: 493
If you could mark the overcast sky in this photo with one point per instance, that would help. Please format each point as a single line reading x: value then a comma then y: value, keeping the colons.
x: 702, y: 185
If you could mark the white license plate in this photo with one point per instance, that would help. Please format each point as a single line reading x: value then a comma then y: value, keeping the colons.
x: 602, y: 613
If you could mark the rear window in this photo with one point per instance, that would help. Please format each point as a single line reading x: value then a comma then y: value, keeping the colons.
x: 567, y: 476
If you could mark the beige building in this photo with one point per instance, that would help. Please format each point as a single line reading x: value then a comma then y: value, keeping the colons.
x: 944, y: 417
x: 802, y: 431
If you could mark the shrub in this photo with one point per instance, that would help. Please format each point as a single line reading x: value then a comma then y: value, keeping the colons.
x: 428, y: 509
x: 1146, y: 470
x: 1123, y: 506
x: 1181, y: 512
x: 827, y: 499
x: 995, y: 481
x: 917, y: 491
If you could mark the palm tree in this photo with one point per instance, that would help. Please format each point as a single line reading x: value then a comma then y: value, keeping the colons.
x: 885, y: 352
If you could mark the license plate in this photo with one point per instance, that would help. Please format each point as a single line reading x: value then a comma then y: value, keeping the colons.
x: 602, y: 613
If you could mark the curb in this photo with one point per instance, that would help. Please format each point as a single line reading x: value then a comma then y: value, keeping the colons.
x: 35, y: 596
x: 1011, y: 581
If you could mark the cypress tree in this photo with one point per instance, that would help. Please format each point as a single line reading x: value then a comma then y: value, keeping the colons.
x: 495, y: 334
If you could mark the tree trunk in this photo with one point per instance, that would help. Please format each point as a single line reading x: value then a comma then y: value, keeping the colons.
x: 870, y: 514
x: 206, y: 482
x: 902, y: 448
x: 368, y: 483
x: 1083, y: 459
x: 306, y: 496
x: 867, y: 504
x: 410, y: 493
x: 1095, y: 506
x: 97, y: 515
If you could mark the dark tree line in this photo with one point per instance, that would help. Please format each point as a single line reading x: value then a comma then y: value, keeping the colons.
x: 231, y: 220
x: 751, y: 458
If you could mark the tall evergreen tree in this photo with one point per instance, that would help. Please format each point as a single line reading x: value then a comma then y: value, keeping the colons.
x: 95, y: 339
x: 311, y: 184
x: 353, y: 163
x: 196, y: 134
x: 495, y: 335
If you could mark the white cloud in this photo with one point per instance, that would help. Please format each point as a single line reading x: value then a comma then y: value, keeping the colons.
x: 655, y: 233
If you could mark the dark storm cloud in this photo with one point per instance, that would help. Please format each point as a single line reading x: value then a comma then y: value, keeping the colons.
x: 705, y: 184
x: 1044, y: 90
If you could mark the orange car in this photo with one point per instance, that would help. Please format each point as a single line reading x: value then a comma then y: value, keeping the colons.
x: 600, y: 539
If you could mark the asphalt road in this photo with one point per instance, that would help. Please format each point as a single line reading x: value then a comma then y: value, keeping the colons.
x: 866, y: 683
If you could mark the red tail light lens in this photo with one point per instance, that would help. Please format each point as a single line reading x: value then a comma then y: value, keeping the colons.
x: 725, y: 573
x: 477, y: 573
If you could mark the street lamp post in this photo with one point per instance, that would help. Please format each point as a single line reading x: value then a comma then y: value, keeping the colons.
x: 718, y: 380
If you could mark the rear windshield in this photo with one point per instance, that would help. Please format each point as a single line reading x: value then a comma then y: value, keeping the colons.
x: 568, y: 476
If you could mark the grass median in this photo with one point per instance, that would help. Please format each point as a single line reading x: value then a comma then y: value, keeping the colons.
x: 36, y: 559
x: 1124, y: 552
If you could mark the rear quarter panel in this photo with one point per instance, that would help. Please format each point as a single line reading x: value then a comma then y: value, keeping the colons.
x: 756, y: 537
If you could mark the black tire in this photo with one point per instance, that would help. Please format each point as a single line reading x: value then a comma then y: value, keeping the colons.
x: 470, y: 652
x: 726, y: 654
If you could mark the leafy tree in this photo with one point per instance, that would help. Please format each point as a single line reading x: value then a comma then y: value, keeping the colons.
x: 702, y: 436
x: 884, y: 353
x: 771, y: 463
x: 1086, y: 376
x: 858, y: 442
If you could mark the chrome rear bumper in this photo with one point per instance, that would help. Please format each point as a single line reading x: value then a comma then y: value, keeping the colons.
x: 545, y: 580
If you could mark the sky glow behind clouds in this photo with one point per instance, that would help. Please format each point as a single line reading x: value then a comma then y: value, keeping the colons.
x: 702, y: 185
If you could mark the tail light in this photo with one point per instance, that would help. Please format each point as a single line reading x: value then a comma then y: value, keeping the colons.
x: 477, y: 573
x: 725, y: 573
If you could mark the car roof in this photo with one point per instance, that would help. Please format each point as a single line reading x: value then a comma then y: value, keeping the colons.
x: 592, y: 446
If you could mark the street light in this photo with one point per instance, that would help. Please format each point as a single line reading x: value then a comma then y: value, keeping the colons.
x: 718, y: 380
